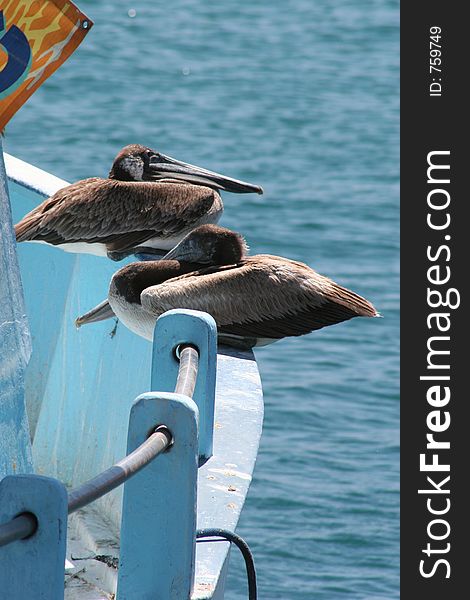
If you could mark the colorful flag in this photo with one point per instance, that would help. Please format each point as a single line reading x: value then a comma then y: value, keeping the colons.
x: 36, y: 37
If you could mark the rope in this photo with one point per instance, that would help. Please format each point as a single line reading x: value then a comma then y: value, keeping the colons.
x: 187, y: 372
x: 201, y: 534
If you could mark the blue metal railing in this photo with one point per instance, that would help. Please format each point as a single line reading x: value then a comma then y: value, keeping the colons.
x: 25, y: 525
x: 150, y: 564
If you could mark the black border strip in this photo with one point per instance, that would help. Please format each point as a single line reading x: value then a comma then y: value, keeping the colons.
x: 434, y: 259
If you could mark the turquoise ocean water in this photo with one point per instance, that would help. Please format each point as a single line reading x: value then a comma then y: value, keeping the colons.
x: 302, y: 98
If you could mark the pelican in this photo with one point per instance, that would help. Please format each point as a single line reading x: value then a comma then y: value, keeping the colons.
x: 255, y: 300
x: 148, y: 203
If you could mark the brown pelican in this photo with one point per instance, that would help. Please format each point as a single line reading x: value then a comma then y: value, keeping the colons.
x: 148, y: 203
x: 255, y: 300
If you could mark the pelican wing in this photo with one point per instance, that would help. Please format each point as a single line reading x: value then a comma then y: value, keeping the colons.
x: 114, y: 212
x: 265, y: 296
x: 39, y: 223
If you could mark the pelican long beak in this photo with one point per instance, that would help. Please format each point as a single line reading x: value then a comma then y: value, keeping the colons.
x: 182, y: 253
x: 165, y: 167
x: 187, y: 250
x: 101, y: 312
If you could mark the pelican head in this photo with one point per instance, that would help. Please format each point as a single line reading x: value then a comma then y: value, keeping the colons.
x: 131, y: 163
x: 210, y: 244
x: 139, y: 163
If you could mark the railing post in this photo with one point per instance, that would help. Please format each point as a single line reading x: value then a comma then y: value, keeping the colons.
x: 177, y: 327
x: 34, y: 567
x: 159, y: 504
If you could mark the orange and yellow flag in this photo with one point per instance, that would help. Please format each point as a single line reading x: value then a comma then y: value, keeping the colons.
x: 36, y: 37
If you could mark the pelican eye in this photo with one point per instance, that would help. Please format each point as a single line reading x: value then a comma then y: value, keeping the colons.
x: 152, y: 157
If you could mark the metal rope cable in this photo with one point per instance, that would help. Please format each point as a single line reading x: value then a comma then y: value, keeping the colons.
x: 110, y: 479
x: 18, y: 528
x: 201, y: 534
x: 187, y: 373
x: 25, y: 525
